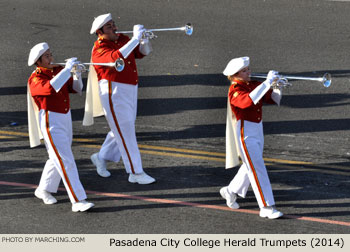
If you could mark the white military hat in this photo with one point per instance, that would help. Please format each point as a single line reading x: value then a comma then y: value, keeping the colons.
x: 235, y: 65
x: 100, y: 21
x: 36, y: 52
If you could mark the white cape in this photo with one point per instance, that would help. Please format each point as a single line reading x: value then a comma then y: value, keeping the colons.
x: 93, y: 106
x: 33, y: 121
x: 232, y: 150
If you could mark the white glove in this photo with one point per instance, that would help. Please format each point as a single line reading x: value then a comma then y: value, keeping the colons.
x: 262, y: 89
x: 60, y: 79
x: 70, y: 63
x: 133, y: 42
x: 271, y: 76
x: 137, y: 31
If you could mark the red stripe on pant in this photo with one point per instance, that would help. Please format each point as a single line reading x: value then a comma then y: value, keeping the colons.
x: 117, y: 124
x: 251, y: 164
x: 58, y: 157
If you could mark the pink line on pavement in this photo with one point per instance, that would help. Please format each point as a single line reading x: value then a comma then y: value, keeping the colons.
x: 184, y: 203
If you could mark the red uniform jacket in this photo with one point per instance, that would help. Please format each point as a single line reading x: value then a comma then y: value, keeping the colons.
x: 242, y: 105
x: 45, y: 95
x: 106, y: 51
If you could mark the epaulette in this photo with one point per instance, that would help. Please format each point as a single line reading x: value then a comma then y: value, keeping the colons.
x: 100, y: 40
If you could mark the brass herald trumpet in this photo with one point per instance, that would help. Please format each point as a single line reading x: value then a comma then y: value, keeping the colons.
x: 282, y: 81
x: 188, y: 29
x: 81, y: 67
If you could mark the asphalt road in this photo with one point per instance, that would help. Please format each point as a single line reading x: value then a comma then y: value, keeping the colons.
x: 181, y: 117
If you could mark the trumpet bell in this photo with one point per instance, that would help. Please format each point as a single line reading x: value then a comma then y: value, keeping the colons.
x: 188, y: 29
x: 119, y: 64
x: 326, y: 80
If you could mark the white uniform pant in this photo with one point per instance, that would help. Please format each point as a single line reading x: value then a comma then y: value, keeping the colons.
x: 119, y: 103
x: 57, y: 132
x: 253, y: 171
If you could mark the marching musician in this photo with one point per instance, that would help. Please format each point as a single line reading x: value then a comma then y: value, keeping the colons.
x: 244, y: 136
x: 49, y: 117
x: 117, y: 95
